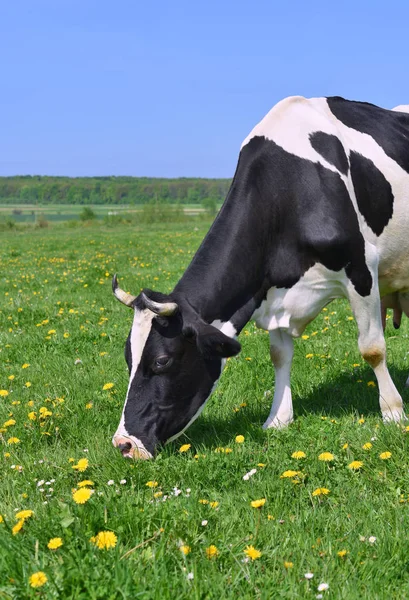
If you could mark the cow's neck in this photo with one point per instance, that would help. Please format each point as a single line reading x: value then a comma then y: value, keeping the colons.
x: 226, y: 279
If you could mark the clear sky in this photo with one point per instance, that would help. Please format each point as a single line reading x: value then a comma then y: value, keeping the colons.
x: 171, y: 88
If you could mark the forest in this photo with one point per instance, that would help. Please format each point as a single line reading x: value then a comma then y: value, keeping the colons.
x: 110, y: 190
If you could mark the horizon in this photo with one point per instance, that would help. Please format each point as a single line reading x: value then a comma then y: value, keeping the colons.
x: 171, y: 91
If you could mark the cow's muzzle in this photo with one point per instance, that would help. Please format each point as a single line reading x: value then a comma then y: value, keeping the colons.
x: 131, y: 448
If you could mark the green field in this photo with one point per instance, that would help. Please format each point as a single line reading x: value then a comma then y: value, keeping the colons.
x: 61, y: 342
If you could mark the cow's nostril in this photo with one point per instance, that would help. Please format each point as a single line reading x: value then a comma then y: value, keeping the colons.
x: 124, y: 448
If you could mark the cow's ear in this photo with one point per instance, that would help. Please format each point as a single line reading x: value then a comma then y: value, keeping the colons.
x: 212, y: 343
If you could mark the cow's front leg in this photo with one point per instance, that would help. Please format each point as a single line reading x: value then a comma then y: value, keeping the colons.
x: 281, y: 352
x: 371, y: 341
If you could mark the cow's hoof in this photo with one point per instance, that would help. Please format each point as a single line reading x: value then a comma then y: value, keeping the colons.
x: 277, y: 423
x: 393, y: 416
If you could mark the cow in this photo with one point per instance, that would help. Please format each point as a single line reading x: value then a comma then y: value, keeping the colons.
x: 318, y: 209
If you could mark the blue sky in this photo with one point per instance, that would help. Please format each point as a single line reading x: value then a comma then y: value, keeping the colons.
x: 171, y: 89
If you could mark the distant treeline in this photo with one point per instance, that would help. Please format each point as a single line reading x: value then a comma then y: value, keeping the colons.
x: 110, y: 190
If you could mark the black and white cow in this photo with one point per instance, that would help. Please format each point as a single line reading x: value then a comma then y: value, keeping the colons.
x: 318, y: 209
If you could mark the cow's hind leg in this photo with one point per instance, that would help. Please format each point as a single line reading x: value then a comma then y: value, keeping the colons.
x: 281, y: 351
x: 371, y: 341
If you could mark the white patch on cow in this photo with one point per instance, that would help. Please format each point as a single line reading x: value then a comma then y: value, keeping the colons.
x: 402, y: 108
x: 225, y: 327
x: 141, y: 328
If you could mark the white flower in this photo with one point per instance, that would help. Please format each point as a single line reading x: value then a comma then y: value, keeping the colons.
x: 176, y: 491
x: 188, y: 490
x: 204, y: 522
x: 372, y: 539
x: 123, y: 481
x: 309, y: 575
x: 48, y: 483
x: 190, y: 576
x: 41, y: 490
x: 111, y: 482
x: 323, y: 587
x: 40, y: 483
x: 52, y: 480
x: 362, y: 538
x: 247, y: 476
x: 319, y: 596
x: 267, y: 393
x: 77, y: 361
x: 85, y: 450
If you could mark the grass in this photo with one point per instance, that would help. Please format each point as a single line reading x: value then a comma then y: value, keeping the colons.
x: 59, y: 317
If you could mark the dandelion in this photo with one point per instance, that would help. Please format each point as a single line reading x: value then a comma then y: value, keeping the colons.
x: 24, y: 514
x: 13, y: 440
x: 239, y: 439
x: 82, y: 495
x: 81, y: 465
x: 185, y: 447
x: 151, y: 484
x: 9, y: 423
x: 25, y: 366
x: 3, y: 393
x: 326, y: 456
x: 17, y: 527
x: 355, y: 465
x: 367, y: 446
x: 108, y: 386
x: 85, y: 483
x: 185, y: 549
x: 38, y: 579
x: 32, y: 416
x: 213, y: 504
x: 321, y: 492
x: 309, y: 355
x: 342, y: 553
x: 212, y: 551
x: 298, y: 454
x: 55, y: 543
x: 289, y: 473
x: 385, y: 455
x: 104, y: 540
x: 252, y: 553
x: 288, y: 564
x: 345, y: 446
x: 371, y: 384
x: 258, y: 503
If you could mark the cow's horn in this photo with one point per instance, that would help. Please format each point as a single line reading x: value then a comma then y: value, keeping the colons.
x: 122, y: 296
x: 163, y: 309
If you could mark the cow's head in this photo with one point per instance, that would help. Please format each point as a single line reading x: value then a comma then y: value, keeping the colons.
x: 174, y: 360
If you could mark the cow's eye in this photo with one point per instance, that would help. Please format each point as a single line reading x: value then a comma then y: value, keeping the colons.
x: 162, y: 361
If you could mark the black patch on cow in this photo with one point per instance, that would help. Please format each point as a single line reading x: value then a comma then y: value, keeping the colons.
x: 390, y: 129
x: 373, y: 192
x: 283, y: 214
x: 330, y: 148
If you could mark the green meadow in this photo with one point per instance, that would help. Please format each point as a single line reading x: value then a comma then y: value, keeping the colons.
x: 182, y: 526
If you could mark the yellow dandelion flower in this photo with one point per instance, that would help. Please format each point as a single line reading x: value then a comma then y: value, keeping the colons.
x: 371, y: 384
x: 288, y: 564
x: 38, y: 579
x: 28, y: 384
x: 185, y: 447
x: 213, y: 504
x: 108, y: 386
x: 326, y: 456
x: 11, y: 377
x: 385, y: 455
x: 1, y: 519
x: 44, y: 412
x: 367, y: 446
x: 85, y: 483
x: 88, y: 405
x: 289, y: 473
x: 342, y: 553
x: 82, y: 495
x: 271, y: 517
x: 239, y: 439
x: 17, y: 527
x: 81, y: 465
x: 55, y: 543
x: 13, y: 440
x: 355, y: 465
x: 32, y: 416
x: 345, y: 446
x: 212, y: 551
x: 252, y: 553
x: 104, y: 540
x: 151, y: 484
x: 258, y: 503
x: 321, y: 492
x: 305, y: 337
x: 204, y: 501
x: 185, y: 549
x: 66, y: 334
x: 24, y: 514
x: 309, y: 355
x: 25, y: 366
x: 298, y: 454
x: 3, y: 393
x: 9, y: 423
